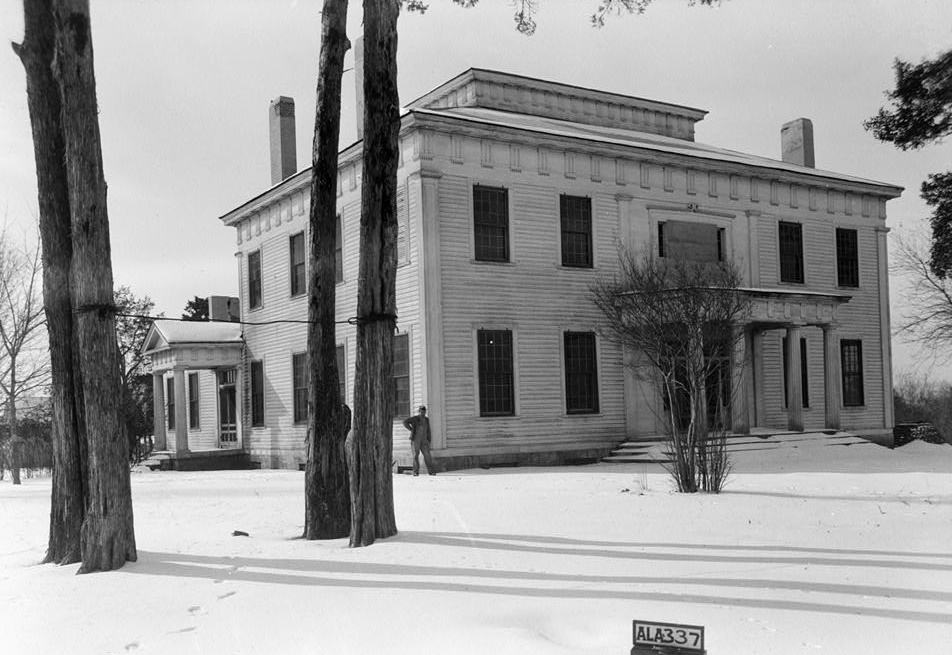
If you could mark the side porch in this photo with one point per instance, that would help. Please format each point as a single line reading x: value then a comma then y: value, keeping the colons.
x: 196, y: 377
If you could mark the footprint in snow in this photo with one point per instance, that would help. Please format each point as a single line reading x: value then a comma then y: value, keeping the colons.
x: 133, y: 646
x: 226, y: 595
x: 196, y: 609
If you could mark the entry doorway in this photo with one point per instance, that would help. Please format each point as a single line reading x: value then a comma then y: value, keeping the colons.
x: 227, y: 409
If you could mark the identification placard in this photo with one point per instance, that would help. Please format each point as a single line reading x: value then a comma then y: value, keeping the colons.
x: 669, y: 636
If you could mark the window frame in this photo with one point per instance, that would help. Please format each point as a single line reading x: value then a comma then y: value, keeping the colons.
x: 568, y: 375
x: 339, y: 250
x: 787, y: 259
x: 299, y: 388
x: 847, y: 264
x: 566, y: 202
x: 257, y: 395
x: 480, y: 221
x: 255, y: 283
x: 406, y: 410
x: 483, y: 384
x: 852, y: 377
x: 297, y: 269
x: 194, y: 400
x: 170, y: 402
x: 340, y: 352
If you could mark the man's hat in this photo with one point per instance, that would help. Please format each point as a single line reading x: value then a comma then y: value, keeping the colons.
x: 421, y: 408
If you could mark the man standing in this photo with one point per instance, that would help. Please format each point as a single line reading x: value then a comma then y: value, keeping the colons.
x: 419, y: 427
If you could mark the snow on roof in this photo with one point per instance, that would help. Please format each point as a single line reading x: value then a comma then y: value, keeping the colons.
x: 638, y: 139
x: 198, y: 331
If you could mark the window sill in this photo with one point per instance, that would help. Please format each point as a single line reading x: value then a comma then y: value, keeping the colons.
x: 490, y: 262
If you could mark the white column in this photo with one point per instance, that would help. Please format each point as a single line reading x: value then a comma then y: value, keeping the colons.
x: 740, y: 420
x: 794, y: 389
x: 831, y: 376
x: 757, y: 340
x: 181, y: 418
x: 158, y: 412
x: 240, y: 403
x: 884, y: 328
x: 431, y: 309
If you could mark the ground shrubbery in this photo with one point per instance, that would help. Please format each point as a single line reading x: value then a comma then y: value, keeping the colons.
x: 923, y: 410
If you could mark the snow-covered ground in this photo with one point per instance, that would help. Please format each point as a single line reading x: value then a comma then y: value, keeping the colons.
x: 815, y: 549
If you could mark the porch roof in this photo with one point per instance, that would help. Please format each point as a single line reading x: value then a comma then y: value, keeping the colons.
x: 193, y: 344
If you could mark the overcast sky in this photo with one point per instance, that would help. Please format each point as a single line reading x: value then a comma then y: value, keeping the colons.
x: 184, y: 89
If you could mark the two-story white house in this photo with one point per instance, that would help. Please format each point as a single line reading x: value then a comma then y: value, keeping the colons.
x: 513, y: 196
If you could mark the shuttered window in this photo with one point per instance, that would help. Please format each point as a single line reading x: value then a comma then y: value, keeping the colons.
x: 496, y: 386
x: 491, y: 223
x: 581, y: 373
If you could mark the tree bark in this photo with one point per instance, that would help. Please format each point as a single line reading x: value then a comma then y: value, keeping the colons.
x: 68, y: 497
x: 107, y: 539
x: 370, y: 445
x: 326, y: 492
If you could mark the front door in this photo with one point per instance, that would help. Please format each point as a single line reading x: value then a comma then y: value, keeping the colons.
x: 227, y: 405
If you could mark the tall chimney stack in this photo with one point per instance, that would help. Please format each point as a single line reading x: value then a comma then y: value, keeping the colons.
x: 359, y: 84
x: 283, y: 146
x: 796, y: 142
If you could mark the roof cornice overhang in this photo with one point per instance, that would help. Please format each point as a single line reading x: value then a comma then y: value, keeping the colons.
x: 472, y: 126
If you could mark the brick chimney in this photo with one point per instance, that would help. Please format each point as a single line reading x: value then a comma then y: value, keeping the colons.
x: 796, y: 142
x: 283, y: 147
x: 359, y: 84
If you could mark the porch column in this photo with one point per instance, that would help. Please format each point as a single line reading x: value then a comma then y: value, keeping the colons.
x: 158, y: 412
x: 240, y: 404
x: 794, y: 390
x: 181, y: 418
x: 831, y: 376
x: 740, y: 420
x: 757, y: 343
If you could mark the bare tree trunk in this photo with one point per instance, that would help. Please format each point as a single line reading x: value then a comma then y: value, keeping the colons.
x: 68, y: 497
x: 370, y: 445
x: 15, y: 445
x: 326, y: 491
x: 108, y: 539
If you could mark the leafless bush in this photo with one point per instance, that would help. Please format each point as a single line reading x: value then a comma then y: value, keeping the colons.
x: 681, y: 320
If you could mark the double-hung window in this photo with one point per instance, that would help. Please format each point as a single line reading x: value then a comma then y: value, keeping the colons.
x: 847, y: 258
x: 491, y: 223
x: 496, y: 379
x: 193, y: 411
x: 575, y: 215
x: 401, y: 375
x: 298, y: 279
x: 170, y: 400
x: 257, y: 394
x: 299, y: 385
x: 790, y: 236
x: 342, y: 372
x: 851, y: 365
x: 254, y: 279
x: 338, y: 253
x: 581, y: 373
